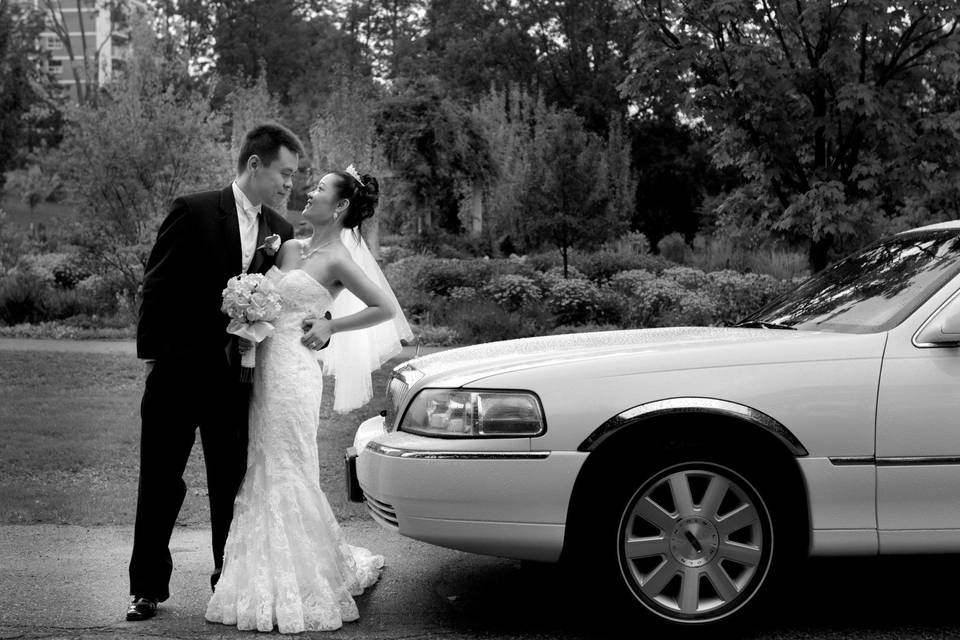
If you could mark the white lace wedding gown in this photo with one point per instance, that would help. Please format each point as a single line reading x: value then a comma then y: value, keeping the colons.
x: 286, y: 562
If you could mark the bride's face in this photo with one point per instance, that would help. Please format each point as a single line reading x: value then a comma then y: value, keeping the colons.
x: 323, y: 205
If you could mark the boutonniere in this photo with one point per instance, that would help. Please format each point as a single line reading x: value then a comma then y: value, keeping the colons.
x: 271, y: 244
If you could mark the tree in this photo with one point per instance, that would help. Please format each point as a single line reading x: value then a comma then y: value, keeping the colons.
x: 343, y: 134
x: 127, y: 158
x: 473, y: 46
x: 24, y: 88
x: 837, y: 115
x: 583, y: 48
x: 386, y: 29
x: 436, y: 147
x: 566, y: 197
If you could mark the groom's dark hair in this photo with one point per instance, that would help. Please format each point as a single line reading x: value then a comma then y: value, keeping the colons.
x: 264, y: 141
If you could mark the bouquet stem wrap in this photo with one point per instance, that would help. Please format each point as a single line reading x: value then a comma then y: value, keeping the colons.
x: 256, y: 333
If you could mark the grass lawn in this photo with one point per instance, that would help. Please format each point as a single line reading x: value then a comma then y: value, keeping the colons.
x: 70, y: 434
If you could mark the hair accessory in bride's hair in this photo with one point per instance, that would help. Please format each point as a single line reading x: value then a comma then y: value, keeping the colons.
x: 356, y: 174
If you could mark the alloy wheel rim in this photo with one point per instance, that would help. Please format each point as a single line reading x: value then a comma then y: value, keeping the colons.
x: 695, y: 543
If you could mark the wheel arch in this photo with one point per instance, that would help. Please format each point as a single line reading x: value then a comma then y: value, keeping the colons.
x: 673, y: 422
x: 650, y: 411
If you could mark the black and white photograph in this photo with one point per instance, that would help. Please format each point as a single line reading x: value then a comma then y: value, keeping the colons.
x: 479, y: 319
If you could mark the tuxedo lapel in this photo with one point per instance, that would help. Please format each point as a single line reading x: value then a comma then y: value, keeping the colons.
x: 231, y: 233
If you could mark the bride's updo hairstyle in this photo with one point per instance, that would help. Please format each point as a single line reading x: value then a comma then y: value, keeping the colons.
x: 363, y: 198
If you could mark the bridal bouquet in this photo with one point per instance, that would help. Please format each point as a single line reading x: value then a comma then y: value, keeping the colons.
x: 252, y: 302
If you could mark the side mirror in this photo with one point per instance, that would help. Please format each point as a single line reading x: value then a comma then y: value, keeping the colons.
x: 944, y: 328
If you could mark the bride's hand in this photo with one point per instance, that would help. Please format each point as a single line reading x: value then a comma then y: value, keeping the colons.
x: 244, y: 345
x: 317, y: 333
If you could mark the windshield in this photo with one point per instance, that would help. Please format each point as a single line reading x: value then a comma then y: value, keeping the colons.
x: 873, y: 290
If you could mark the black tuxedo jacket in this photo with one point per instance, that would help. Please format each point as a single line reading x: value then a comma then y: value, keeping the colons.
x: 196, y: 253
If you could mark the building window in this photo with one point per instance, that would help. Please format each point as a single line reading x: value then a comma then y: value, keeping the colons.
x: 54, y: 43
x: 55, y: 66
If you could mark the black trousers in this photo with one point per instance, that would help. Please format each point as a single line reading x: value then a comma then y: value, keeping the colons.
x: 178, y: 398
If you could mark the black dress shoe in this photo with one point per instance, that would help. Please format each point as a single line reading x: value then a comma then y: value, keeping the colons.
x: 141, y: 608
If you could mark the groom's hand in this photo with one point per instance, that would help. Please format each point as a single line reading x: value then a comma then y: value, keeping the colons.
x: 317, y: 331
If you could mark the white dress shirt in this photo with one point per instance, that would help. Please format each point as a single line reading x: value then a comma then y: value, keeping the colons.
x: 247, y: 216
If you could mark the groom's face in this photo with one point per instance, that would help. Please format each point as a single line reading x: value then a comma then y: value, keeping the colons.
x: 273, y: 182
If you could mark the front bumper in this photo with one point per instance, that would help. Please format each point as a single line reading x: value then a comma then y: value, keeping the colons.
x: 490, y: 497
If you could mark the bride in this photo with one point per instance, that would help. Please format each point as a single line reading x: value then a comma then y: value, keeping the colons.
x: 286, y: 561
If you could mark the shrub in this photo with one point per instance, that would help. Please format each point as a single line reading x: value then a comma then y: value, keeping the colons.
x: 611, y: 305
x: 554, y: 275
x: 436, y: 336
x: 22, y: 298
x: 651, y: 300
x: 712, y: 253
x: 544, y: 261
x: 392, y: 253
x: 674, y: 248
x: 600, y: 266
x: 404, y: 277
x: 512, y: 291
x: 633, y: 242
x: 484, y: 321
x: 45, y: 266
x: 463, y: 294
x: 629, y: 283
x: 690, y: 309
x: 573, y: 301
x: 739, y: 294
x: 582, y: 328
x: 687, y: 277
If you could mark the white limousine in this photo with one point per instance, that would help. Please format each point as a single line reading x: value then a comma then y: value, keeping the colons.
x: 691, y: 466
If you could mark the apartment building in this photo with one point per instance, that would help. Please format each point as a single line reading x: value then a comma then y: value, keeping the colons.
x: 87, y: 39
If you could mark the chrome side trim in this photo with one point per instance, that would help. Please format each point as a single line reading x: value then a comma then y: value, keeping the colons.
x: 395, y: 452
x: 853, y: 461
x: 692, y: 405
x: 893, y: 461
x: 912, y: 461
x: 933, y: 316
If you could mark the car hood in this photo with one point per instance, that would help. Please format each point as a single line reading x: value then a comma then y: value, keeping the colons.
x: 646, y: 350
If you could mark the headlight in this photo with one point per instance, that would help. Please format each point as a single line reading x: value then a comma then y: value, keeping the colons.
x: 473, y: 414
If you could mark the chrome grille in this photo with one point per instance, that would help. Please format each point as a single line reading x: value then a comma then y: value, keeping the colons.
x: 381, y: 512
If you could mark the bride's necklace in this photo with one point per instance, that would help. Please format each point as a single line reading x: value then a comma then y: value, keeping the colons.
x: 305, y: 254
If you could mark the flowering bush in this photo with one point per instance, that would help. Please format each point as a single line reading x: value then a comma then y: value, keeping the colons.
x: 463, y: 294
x: 650, y: 300
x: 687, y: 277
x: 436, y: 336
x: 513, y: 291
x: 739, y: 294
x: 631, y: 282
x: 600, y: 266
x: 549, y: 278
x: 573, y: 301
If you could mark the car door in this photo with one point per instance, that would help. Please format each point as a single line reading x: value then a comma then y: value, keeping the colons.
x: 918, y: 434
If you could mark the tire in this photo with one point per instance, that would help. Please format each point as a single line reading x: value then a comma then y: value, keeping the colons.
x: 694, y: 540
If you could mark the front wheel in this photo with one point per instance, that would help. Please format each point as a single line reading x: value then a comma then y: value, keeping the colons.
x: 694, y: 541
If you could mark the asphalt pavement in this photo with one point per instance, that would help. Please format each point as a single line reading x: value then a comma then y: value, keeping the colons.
x: 65, y: 581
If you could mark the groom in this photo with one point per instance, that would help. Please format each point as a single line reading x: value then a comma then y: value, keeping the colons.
x: 192, y: 364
